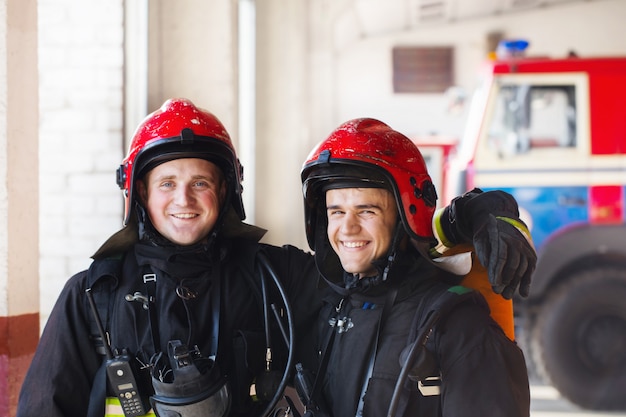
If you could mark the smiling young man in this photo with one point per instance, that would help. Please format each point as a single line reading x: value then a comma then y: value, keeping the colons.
x: 178, y: 290
x: 369, y: 204
x: 183, y: 198
x: 359, y: 221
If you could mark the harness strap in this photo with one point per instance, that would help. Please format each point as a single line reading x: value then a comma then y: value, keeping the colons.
x: 389, y: 302
x: 98, y: 270
x: 427, y: 317
x: 150, y: 281
x: 98, y: 392
x: 102, y: 279
x: 314, y: 400
x: 216, y: 298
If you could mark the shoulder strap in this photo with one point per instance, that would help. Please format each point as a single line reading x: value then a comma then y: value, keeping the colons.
x: 442, y: 304
x: 438, y: 301
x: 427, y: 316
x: 102, y: 279
x: 390, y: 300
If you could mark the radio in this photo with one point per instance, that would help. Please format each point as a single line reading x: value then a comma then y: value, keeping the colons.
x: 122, y: 380
x: 120, y: 373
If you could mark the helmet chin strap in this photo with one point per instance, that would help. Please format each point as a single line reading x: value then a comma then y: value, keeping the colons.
x: 393, y: 250
x: 383, y: 265
x: 145, y: 229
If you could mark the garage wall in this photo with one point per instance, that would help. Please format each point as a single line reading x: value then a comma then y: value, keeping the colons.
x: 363, y: 76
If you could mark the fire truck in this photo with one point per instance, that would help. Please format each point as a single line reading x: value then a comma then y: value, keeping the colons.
x: 552, y: 132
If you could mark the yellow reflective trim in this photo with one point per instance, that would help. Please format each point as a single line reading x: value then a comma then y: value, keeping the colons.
x: 521, y: 226
x: 438, y: 229
x: 113, y: 408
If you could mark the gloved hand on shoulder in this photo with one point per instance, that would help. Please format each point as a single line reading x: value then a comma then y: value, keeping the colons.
x: 490, y: 222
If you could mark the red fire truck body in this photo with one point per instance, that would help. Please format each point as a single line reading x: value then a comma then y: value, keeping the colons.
x: 552, y: 132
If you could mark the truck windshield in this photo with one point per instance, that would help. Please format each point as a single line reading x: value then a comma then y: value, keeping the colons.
x: 532, y: 116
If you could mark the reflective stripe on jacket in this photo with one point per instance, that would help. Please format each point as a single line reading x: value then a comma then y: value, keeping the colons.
x: 114, y: 409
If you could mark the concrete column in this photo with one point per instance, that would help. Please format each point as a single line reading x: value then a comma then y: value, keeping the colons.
x: 283, y: 118
x: 19, y: 246
x: 192, y: 53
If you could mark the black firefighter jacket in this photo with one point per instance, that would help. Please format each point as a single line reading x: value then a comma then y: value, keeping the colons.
x: 483, y: 373
x: 59, y: 381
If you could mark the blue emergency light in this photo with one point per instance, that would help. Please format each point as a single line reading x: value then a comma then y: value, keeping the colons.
x: 509, y: 48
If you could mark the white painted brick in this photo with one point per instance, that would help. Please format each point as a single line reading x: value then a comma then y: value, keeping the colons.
x: 106, y: 98
x: 107, y: 226
x: 55, y: 205
x: 105, y: 79
x: 109, y: 37
x: 92, y: 11
x: 108, y: 164
x: 48, y: 266
x: 68, y: 120
x: 89, y: 142
x: 80, y: 206
x: 70, y: 78
x: 61, y: 34
x: 52, y: 57
x: 84, y: 226
x: 70, y: 163
x: 58, y: 246
x: 110, y: 56
x: 93, y: 184
x: 51, y: 14
x: 82, y: 58
x: 81, y: 144
x: 81, y: 246
x: 111, y: 207
x: 52, y: 228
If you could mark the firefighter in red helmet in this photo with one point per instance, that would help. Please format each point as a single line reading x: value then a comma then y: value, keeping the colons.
x: 390, y: 311
x: 172, y: 316
x: 179, y: 291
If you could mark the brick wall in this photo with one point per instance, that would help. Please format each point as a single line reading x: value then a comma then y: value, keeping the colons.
x: 81, y: 104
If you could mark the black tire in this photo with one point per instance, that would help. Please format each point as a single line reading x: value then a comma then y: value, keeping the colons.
x: 528, y: 343
x: 581, y: 333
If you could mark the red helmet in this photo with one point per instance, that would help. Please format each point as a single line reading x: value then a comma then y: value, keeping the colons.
x: 368, y: 153
x: 177, y: 130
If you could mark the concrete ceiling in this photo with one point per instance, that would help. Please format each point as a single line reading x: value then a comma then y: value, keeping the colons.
x: 411, y: 14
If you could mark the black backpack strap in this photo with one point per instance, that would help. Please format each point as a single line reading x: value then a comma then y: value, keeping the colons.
x: 439, y: 303
x: 102, y: 280
x: 97, y: 397
x: 419, y: 363
x: 309, y: 386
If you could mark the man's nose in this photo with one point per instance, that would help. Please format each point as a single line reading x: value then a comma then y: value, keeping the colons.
x: 350, y: 223
x: 183, y: 196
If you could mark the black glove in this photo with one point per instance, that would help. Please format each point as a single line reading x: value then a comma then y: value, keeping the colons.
x: 490, y: 221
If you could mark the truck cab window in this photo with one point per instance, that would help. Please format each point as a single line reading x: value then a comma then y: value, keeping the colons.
x: 529, y: 118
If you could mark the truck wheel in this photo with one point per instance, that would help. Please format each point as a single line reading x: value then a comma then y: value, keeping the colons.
x: 528, y: 343
x: 582, y: 338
